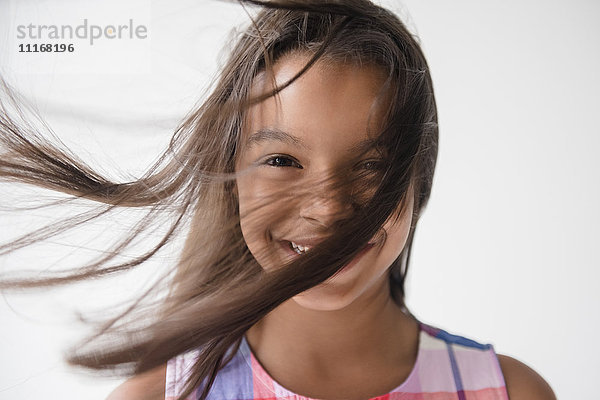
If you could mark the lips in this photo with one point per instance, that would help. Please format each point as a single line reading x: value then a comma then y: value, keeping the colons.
x: 307, y: 242
x: 311, y: 242
x: 285, y: 245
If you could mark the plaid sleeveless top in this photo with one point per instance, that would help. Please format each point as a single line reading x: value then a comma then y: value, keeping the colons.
x: 448, y: 367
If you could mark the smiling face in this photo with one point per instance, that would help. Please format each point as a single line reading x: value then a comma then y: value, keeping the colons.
x: 313, y: 127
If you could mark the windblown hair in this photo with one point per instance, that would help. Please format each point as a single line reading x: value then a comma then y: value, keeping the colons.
x: 218, y: 290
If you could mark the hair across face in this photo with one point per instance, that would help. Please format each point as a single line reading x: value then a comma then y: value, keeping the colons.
x: 312, y: 130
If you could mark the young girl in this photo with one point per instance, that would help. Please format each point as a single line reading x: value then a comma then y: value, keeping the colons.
x: 305, y: 173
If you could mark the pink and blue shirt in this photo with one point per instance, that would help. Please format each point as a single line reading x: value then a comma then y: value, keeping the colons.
x: 448, y: 367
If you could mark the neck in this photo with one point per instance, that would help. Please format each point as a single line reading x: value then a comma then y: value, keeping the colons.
x: 373, y: 328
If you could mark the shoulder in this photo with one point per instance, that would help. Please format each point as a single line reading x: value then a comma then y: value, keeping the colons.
x: 523, y: 382
x: 147, y: 386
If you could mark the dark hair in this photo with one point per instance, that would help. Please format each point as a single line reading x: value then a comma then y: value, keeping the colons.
x: 218, y: 290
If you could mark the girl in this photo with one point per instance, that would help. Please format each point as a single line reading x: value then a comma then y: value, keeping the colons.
x: 305, y: 173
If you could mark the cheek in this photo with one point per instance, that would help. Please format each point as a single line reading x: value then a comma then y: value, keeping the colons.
x: 255, y: 195
x: 396, y: 236
x: 260, y: 216
x: 259, y: 209
x: 249, y: 205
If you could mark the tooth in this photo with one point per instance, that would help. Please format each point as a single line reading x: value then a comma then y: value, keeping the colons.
x: 300, y: 247
x: 297, y: 248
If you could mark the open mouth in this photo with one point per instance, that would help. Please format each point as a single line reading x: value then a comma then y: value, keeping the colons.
x: 295, y: 250
x: 300, y: 250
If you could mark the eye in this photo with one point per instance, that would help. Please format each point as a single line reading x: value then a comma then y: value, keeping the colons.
x: 372, y: 165
x: 282, y: 161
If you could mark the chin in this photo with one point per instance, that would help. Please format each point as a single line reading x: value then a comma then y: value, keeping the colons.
x: 317, y: 299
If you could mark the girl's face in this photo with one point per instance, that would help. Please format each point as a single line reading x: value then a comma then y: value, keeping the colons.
x: 309, y: 130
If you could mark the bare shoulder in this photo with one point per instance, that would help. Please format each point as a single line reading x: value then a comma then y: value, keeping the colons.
x: 523, y: 382
x: 149, y: 385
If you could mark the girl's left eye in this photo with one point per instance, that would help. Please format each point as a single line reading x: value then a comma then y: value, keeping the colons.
x: 372, y: 165
x: 282, y: 161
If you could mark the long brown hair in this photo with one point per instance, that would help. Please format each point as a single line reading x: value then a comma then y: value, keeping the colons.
x: 217, y: 290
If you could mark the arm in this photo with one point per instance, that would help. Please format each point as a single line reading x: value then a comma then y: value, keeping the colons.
x: 147, y: 386
x: 522, y: 382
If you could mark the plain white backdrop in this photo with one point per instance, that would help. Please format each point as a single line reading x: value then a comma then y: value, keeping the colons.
x: 506, y: 252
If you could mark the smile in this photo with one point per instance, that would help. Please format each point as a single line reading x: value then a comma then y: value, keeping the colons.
x: 293, y: 248
x: 299, y: 248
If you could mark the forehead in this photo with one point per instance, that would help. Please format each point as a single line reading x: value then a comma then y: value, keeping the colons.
x: 332, y: 104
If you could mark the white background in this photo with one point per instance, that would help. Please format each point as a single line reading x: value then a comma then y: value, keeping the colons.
x: 505, y: 251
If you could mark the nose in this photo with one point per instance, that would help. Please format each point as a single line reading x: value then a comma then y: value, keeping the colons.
x: 325, y: 210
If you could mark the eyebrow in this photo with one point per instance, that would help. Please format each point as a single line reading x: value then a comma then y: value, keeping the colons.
x: 275, y: 134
